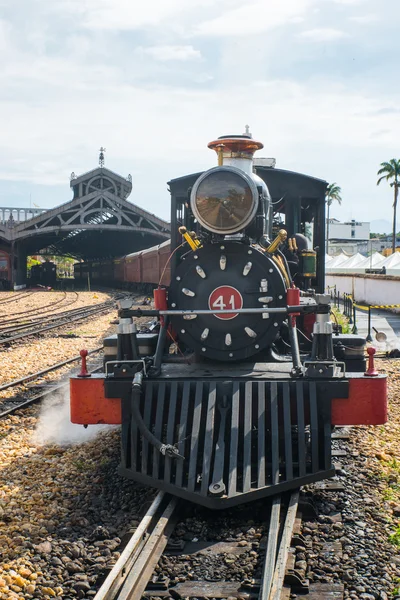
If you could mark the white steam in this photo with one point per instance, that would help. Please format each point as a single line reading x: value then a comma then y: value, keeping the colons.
x: 54, y: 425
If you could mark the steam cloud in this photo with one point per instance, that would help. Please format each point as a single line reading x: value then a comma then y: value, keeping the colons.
x: 54, y: 426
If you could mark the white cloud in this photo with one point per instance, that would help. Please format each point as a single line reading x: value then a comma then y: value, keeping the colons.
x: 70, y: 81
x: 132, y: 14
x: 323, y: 34
x: 167, y: 53
x: 364, y: 19
x: 252, y: 18
x: 348, y: 2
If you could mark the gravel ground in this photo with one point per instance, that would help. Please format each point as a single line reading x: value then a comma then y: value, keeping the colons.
x: 364, y: 518
x: 63, y: 509
x: 43, y: 300
x: 243, y: 526
x: 62, y: 504
x: 52, y: 347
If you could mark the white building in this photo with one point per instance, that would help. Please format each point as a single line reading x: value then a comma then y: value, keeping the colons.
x: 348, y: 232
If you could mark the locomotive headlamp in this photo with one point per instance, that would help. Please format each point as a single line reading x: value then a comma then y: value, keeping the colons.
x: 224, y: 200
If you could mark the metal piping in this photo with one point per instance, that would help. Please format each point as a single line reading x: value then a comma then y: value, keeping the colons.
x: 164, y: 449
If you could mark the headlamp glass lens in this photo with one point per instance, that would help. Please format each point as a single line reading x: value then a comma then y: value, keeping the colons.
x: 224, y: 200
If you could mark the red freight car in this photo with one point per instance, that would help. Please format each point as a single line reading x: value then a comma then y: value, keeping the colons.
x: 164, y: 253
x: 119, y: 270
x: 133, y: 270
x: 150, y: 265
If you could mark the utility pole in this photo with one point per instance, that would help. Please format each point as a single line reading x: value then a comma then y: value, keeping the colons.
x: 327, y: 230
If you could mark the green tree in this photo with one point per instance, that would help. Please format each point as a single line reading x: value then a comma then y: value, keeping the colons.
x: 31, y: 261
x: 333, y: 192
x: 391, y: 170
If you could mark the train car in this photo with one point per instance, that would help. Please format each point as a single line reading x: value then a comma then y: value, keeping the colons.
x: 133, y: 269
x: 150, y: 265
x: 119, y: 271
x: 5, y: 270
x: 78, y: 271
x: 86, y: 271
x: 236, y: 400
x: 106, y: 272
x: 164, y: 263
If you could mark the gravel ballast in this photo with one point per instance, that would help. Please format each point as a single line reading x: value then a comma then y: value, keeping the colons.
x: 362, y: 519
x: 36, y: 353
x: 64, y: 511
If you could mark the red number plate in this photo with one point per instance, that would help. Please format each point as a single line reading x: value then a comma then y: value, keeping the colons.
x: 225, y: 297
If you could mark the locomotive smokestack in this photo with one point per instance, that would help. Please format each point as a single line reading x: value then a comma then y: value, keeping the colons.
x: 236, y: 150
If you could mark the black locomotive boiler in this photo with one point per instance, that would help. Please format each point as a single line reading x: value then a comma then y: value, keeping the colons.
x: 233, y: 396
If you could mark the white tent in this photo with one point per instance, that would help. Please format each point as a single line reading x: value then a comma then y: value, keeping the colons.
x: 370, y: 262
x: 349, y: 265
x: 336, y: 261
x: 392, y: 264
x: 375, y: 261
x: 328, y: 258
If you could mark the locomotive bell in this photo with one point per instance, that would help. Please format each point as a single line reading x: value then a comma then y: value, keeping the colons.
x: 225, y: 199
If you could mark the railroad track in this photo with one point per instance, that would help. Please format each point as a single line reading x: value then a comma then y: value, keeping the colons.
x: 10, y: 405
x: 21, y: 316
x: 17, y: 296
x: 131, y: 577
x: 66, y: 319
x: 49, y: 318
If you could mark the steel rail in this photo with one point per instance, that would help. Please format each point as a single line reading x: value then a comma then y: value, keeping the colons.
x: 34, y: 399
x: 39, y: 311
x: 280, y: 567
x: 17, y: 297
x: 49, y: 318
x: 23, y: 312
x: 85, y: 313
x: 270, y: 555
x: 28, y: 378
x: 132, y: 571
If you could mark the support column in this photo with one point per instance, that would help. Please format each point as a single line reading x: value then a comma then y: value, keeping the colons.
x: 19, y: 256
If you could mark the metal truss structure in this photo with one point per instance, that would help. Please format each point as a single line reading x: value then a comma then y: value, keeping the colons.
x: 98, y: 222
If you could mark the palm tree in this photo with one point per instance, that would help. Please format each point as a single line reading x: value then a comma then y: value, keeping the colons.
x: 391, y: 170
x: 332, y: 193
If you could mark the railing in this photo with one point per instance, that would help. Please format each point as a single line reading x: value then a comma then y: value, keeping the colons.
x: 347, y: 302
x: 13, y: 214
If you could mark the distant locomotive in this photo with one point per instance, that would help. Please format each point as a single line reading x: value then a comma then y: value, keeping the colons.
x: 233, y: 397
x: 44, y: 274
x: 5, y: 270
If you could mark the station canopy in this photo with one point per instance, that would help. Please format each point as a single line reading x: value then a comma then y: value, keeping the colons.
x: 99, y: 222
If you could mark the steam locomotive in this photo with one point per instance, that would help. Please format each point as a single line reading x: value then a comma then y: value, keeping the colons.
x: 232, y: 394
x: 44, y: 274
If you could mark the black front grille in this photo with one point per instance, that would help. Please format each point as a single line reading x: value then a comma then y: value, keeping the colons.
x: 240, y: 439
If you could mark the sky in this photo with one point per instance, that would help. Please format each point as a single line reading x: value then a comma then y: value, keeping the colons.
x: 154, y: 82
